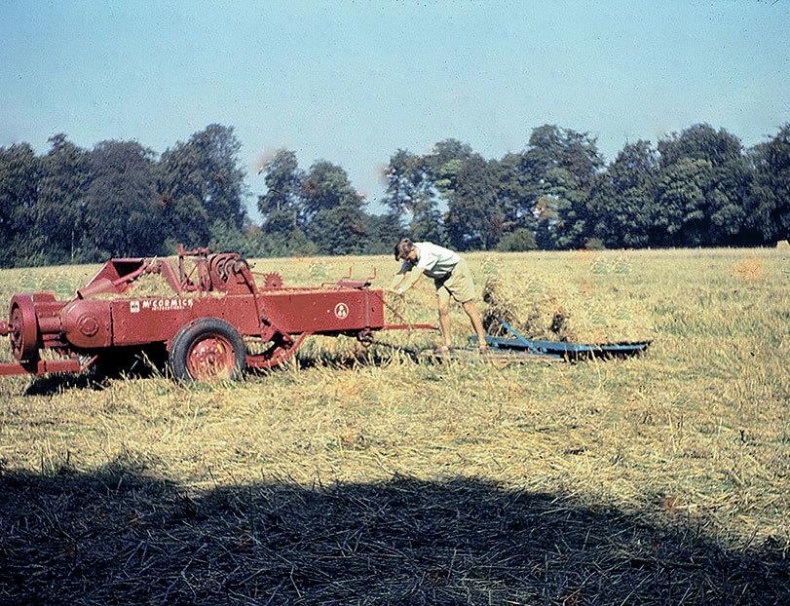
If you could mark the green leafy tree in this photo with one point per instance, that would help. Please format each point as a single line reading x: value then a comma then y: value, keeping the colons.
x: 699, y: 142
x: 199, y: 183
x: 282, y: 204
x: 679, y: 218
x: 222, y: 179
x: 19, y: 178
x: 333, y: 216
x: 561, y: 166
x: 437, y: 187
x: 561, y: 211
x: 551, y: 147
x: 621, y: 200
x: 60, y: 207
x: 514, y: 193
x: 411, y: 195
x: 185, y: 219
x: 769, y: 202
x: 474, y: 219
x: 123, y: 210
x: 226, y: 237
x: 518, y: 240
x: 383, y: 231
x: 445, y: 162
x: 711, y: 206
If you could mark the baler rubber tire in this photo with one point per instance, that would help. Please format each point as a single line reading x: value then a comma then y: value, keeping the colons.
x: 23, y: 324
x: 222, y: 335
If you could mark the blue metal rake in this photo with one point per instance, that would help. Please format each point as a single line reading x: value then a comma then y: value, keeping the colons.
x: 517, y: 342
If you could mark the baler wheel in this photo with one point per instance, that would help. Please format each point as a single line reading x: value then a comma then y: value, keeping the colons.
x: 23, y: 325
x: 208, y: 350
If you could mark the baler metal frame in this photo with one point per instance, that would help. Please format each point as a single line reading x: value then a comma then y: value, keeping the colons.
x: 215, y: 311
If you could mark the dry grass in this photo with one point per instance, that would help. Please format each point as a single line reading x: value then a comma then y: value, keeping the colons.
x: 577, y: 307
x: 362, y: 476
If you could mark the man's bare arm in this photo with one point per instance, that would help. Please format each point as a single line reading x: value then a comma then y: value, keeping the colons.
x: 405, y: 281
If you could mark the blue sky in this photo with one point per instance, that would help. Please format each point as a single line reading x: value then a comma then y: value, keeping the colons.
x: 353, y: 81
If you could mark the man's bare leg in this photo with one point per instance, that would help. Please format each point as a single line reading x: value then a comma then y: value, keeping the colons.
x: 444, y: 324
x: 477, y: 323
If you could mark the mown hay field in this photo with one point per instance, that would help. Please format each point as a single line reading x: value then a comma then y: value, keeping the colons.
x: 360, y: 475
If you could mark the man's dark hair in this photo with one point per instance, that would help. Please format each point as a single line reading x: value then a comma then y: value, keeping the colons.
x: 403, y: 248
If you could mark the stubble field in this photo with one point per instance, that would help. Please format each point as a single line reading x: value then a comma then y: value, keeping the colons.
x: 366, y: 476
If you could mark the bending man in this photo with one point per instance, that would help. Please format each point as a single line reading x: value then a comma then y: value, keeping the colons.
x: 452, y: 278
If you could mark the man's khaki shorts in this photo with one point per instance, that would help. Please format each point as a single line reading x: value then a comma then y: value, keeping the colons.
x: 459, y: 285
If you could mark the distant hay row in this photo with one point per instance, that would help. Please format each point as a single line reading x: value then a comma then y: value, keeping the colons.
x: 571, y: 311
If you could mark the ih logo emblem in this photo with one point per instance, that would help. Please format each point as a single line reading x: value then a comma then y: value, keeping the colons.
x: 341, y: 311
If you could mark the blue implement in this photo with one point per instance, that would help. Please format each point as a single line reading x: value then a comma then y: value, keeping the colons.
x: 560, y: 349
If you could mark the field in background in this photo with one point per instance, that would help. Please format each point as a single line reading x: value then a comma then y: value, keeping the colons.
x: 661, y: 479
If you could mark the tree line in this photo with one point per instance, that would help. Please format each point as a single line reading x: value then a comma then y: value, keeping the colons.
x: 696, y: 188
x: 699, y: 187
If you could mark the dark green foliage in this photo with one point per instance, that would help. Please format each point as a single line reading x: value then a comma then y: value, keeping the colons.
x: 474, y: 219
x: 122, y: 211
x: 621, y: 200
x: 317, y: 212
x: 381, y: 229
x: 413, y: 194
x: 19, y: 176
x: 698, y: 187
x: 563, y: 165
x: 184, y: 217
x: 445, y: 162
x: 280, y: 206
x: 220, y: 179
x: 702, y: 193
x: 333, y: 215
x: 515, y: 193
x: 60, y: 207
x: 519, y: 240
x: 201, y: 183
x: 769, y: 204
x: 551, y: 147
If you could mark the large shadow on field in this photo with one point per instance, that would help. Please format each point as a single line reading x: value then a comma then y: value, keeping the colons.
x: 118, y: 537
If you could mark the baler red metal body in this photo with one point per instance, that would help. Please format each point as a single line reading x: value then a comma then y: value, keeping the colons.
x: 216, y: 322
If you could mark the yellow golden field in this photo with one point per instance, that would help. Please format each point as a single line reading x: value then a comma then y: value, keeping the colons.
x: 366, y: 476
